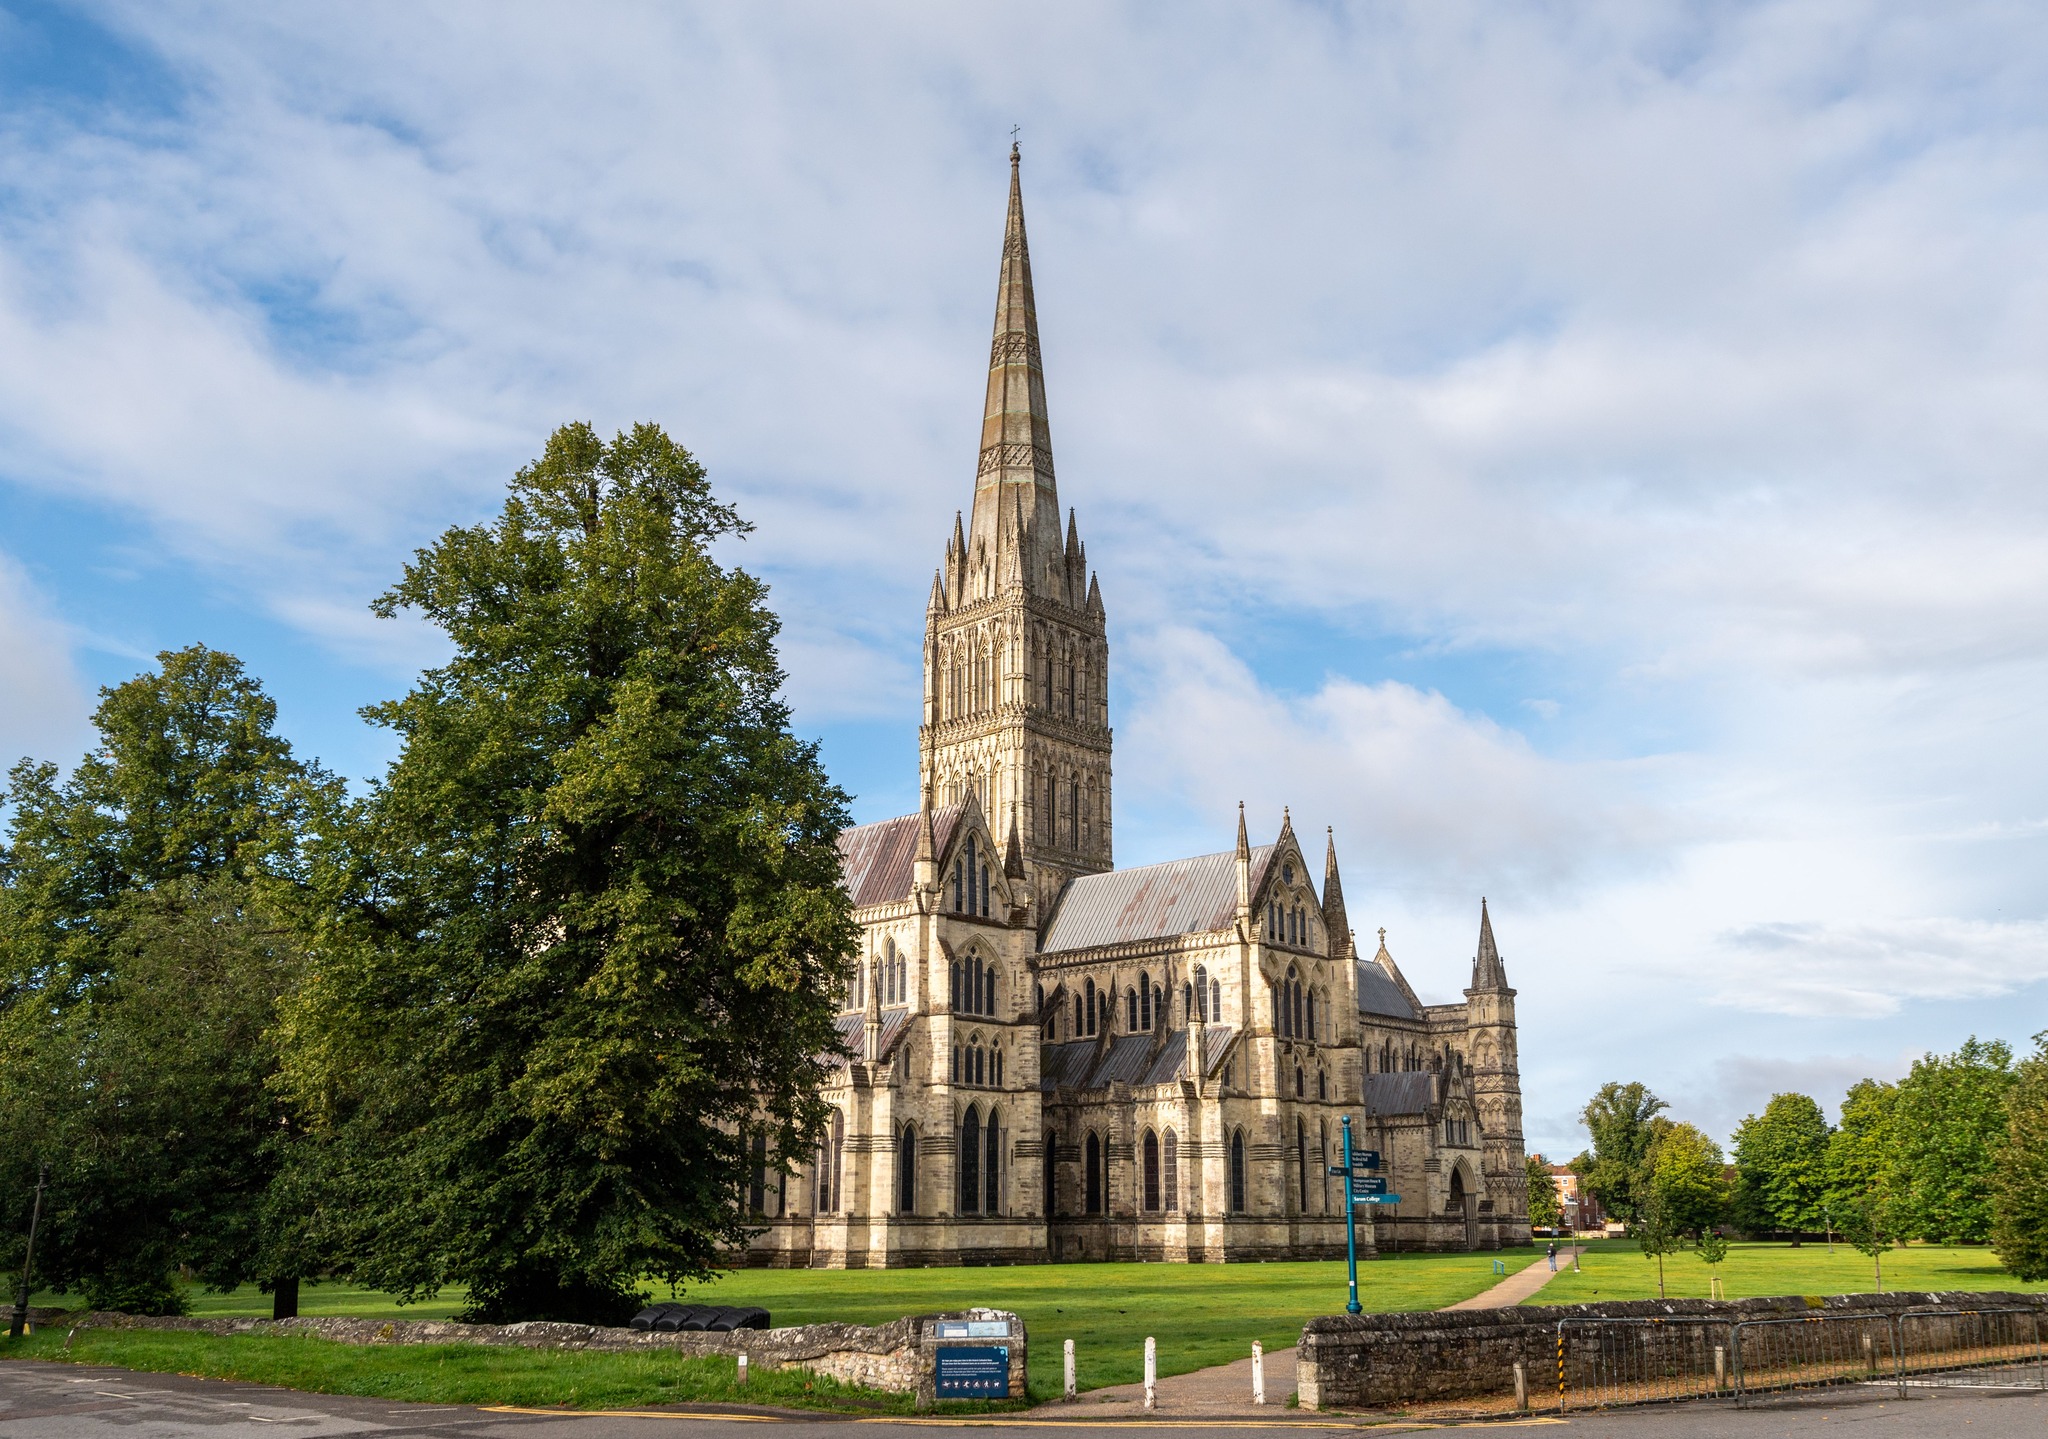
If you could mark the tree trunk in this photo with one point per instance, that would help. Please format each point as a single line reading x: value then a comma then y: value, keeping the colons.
x: 284, y: 1299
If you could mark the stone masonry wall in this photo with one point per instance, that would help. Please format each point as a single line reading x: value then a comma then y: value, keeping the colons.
x: 1382, y: 1360
x: 897, y: 1358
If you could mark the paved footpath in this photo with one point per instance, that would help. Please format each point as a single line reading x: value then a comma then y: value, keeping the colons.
x: 1517, y: 1287
x: 1226, y: 1389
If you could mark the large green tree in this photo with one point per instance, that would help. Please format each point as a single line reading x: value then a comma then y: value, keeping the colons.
x: 1781, y: 1167
x: 1686, y: 1175
x: 2019, y: 1185
x: 1621, y: 1118
x: 1946, y: 1126
x: 140, y: 968
x: 1546, y: 1209
x: 1859, y: 1155
x: 587, y: 933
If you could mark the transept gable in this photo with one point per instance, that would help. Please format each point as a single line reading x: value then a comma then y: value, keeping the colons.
x: 973, y: 879
x: 1383, y: 990
x: 877, y: 861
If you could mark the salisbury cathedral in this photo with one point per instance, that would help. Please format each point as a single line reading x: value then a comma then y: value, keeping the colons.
x: 1053, y: 1059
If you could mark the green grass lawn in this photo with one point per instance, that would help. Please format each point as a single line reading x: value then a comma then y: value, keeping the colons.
x: 1616, y: 1269
x: 451, y: 1373
x: 1201, y: 1314
x: 314, y: 1299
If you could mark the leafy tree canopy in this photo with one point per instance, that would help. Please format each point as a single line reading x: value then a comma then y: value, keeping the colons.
x: 1686, y: 1174
x: 1860, y: 1150
x: 1546, y: 1210
x: 138, y: 978
x: 2019, y: 1184
x: 1947, y: 1123
x: 587, y: 934
x: 1620, y: 1119
x: 1781, y: 1167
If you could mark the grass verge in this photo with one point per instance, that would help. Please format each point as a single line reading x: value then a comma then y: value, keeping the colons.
x: 453, y: 1373
x: 1616, y: 1269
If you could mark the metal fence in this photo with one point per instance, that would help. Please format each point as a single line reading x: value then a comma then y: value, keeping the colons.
x: 1605, y: 1362
x: 1784, y: 1357
x: 1996, y: 1349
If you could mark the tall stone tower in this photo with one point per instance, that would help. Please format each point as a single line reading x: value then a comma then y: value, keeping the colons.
x: 1016, y: 658
x: 1496, y: 1081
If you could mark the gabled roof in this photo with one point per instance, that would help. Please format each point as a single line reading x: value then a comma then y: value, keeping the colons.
x: 1216, y: 1045
x: 1379, y: 994
x: 1065, y: 1064
x: 876, y: 860
x: 1411, y: 1092
x: 1155, y: 901
x: 1128, y: 1060
x: 852, y: 1031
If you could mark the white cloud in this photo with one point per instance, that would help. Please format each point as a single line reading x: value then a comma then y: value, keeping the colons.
x: 43, y: 703
x: 1686, y: 361
x: 1419, y: 791
x: 1873, y: 968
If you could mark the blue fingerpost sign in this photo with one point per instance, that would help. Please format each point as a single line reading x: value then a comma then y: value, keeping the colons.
x: 973, y: 1371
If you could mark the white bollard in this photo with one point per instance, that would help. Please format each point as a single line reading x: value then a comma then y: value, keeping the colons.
x: 1151, y: 1372
x: 1258, y: 1372
x: 743, y: 1371
x: 1521, y: 1389
x: 1070, y: 1368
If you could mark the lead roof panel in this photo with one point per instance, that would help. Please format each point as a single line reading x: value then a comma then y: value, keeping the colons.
x: 1154, y: 901
x: 1409, y: 1092
x: 877, y: 861
x: 1378, y: 994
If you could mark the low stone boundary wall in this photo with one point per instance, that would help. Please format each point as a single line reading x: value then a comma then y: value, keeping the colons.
x: 1373, y: 1361
x: 898, y: 1358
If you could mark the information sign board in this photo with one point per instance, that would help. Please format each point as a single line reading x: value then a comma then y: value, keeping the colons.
x: 1376, y: 1199
x: 974, y: 1329
x: 1364, y: 1184
x: 973, y: 1371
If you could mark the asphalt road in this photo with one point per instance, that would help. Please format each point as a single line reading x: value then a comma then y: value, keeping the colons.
x: 65, y: 1401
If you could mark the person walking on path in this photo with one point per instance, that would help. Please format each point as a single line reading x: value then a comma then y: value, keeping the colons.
x: 1551, y: 1253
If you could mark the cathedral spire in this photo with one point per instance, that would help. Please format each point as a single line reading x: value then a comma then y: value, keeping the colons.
x: 1015, y: 469
x: 1487, y: 973
x: 1244, y: 871
x: 1333, y: 901
x: 925, y: 864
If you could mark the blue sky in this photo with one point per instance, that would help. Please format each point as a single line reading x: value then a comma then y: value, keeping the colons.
x: 1590, y: 456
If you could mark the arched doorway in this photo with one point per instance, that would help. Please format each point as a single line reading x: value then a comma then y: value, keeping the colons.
x: 1465, y: 1205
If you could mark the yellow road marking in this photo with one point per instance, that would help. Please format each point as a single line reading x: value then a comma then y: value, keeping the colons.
x: 632, y: 1414
x: 999, y: 1421
x: 1214, y: 1422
